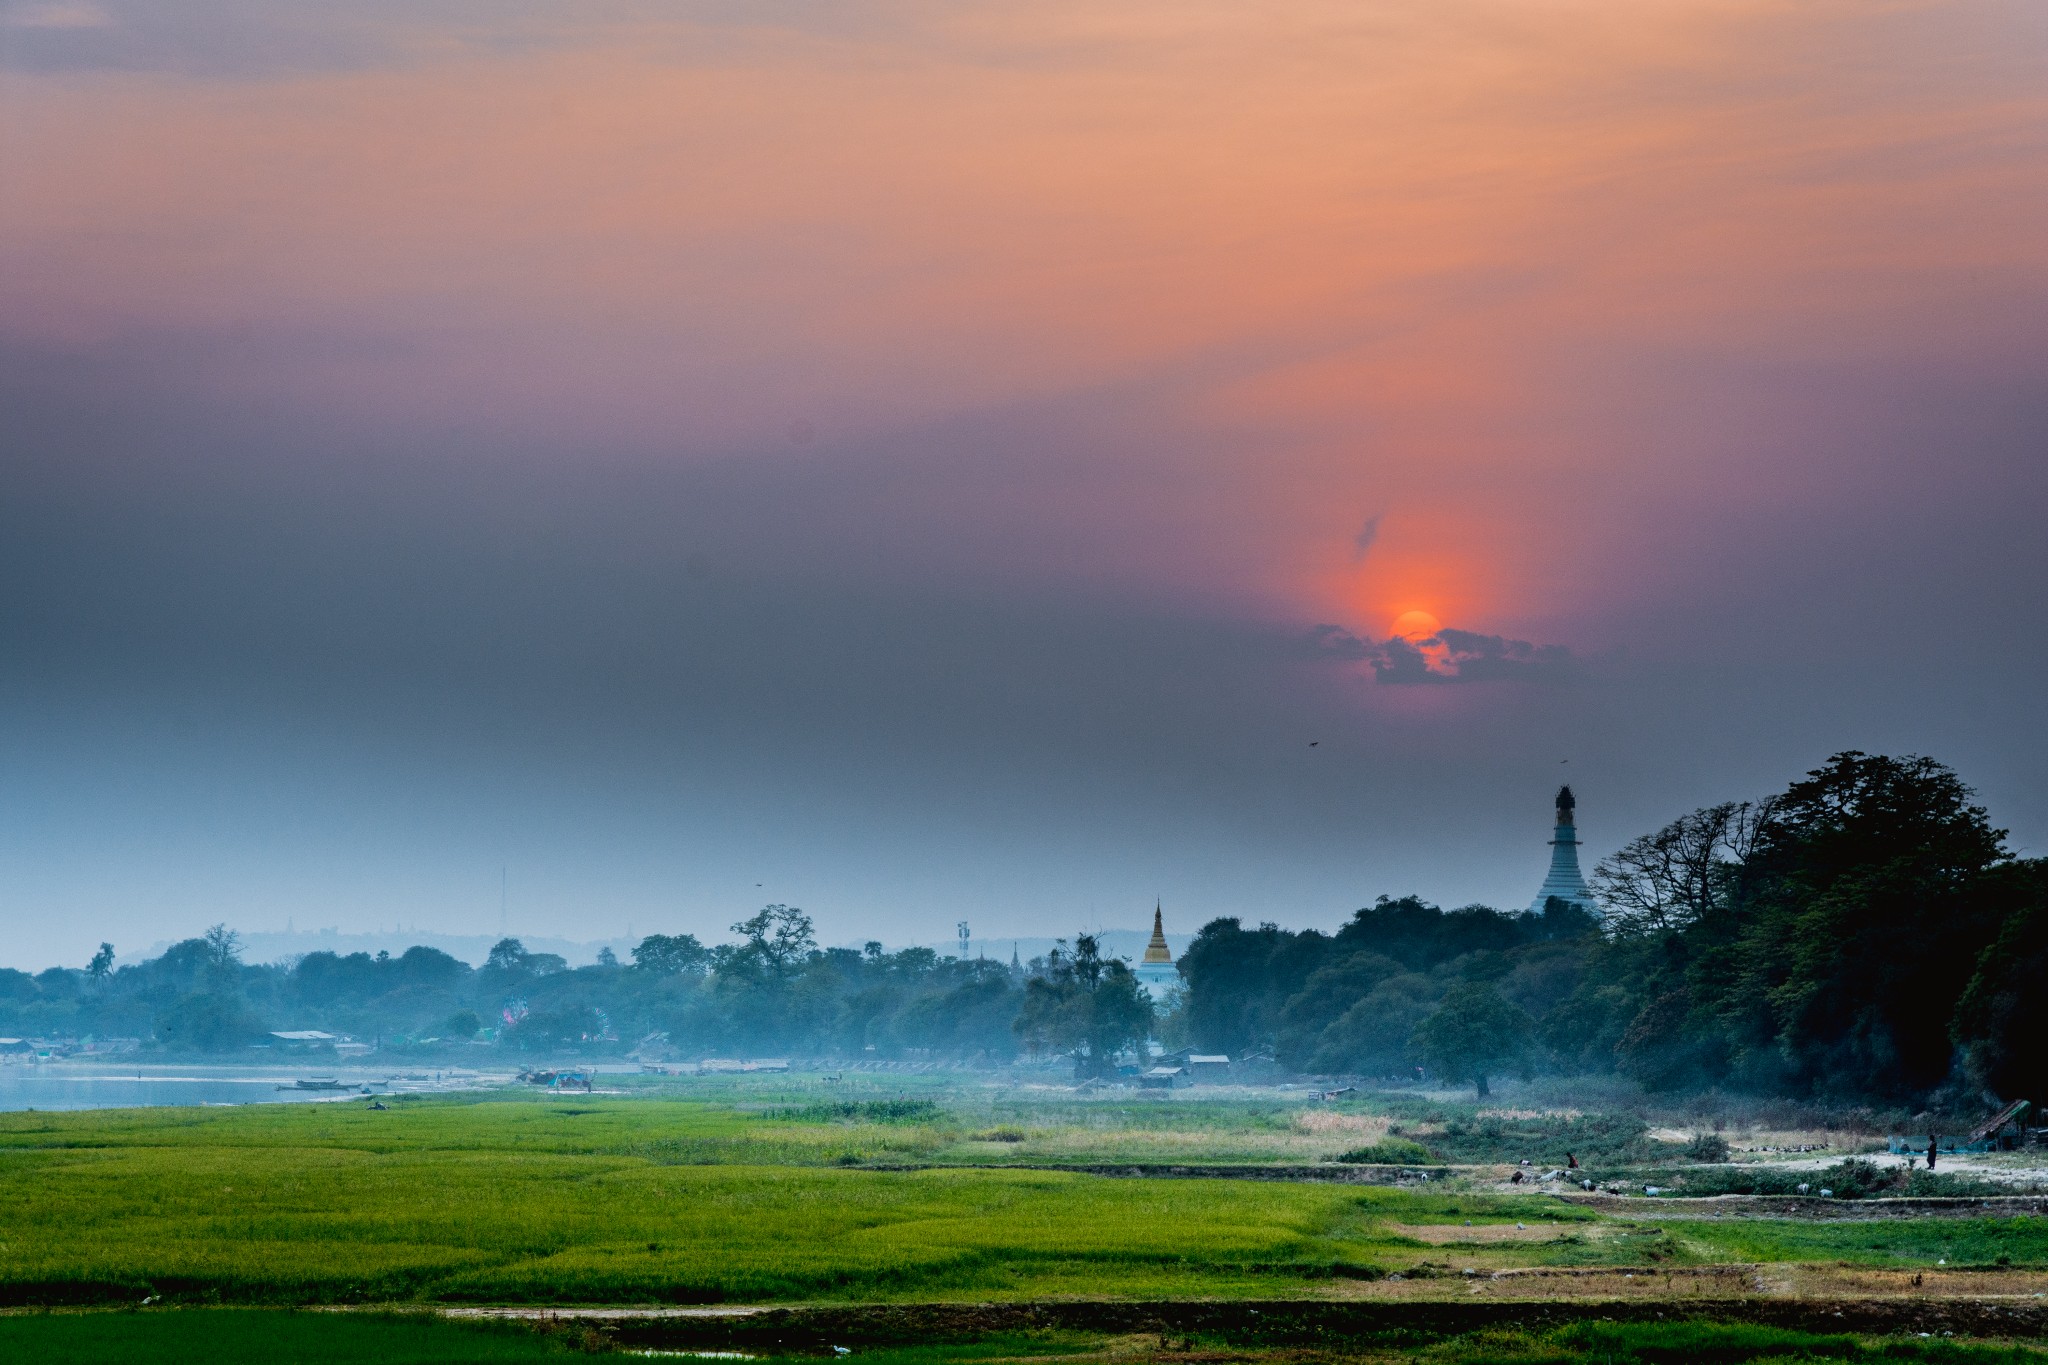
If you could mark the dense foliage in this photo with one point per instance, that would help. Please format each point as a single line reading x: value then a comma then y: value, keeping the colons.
x: 1862, y: 935
x: 773, y: 990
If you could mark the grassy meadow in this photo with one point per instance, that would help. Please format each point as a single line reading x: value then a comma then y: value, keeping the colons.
x: 751, y: 1198
x: 203, y: 1337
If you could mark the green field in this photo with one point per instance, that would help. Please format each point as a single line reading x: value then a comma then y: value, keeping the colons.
x: 911, y: 1120
x: 597, y: 1200
x: 202, y: 1337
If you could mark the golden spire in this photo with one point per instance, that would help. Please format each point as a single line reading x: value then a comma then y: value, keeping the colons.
x: 1156, y: 951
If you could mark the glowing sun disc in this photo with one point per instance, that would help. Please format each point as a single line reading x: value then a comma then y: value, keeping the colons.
x: 1415, y: 625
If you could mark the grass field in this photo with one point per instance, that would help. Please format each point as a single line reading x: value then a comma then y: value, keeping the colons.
x: 201, y: 1337
x: 911, y: 1119
x: 587, y: 1200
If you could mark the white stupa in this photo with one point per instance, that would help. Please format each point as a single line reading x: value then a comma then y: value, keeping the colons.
x: 1564, y: 881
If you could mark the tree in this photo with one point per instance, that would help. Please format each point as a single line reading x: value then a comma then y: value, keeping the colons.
x: 1372, y: 1036
x: 778, y: 937
x: 1473, y: 1033
x: 1325, y: 997
x: 1866, y: 903
x: 671, y: 955
x: 223, y: 948
x: 1240, y: 979
x: 1679, y: 875
x: 1085, y: 1002
x: 211, y: 1021
x: 101, y: 964
x: 508, y: 955
x: 463, y: 1023
x: 2002, y: 1017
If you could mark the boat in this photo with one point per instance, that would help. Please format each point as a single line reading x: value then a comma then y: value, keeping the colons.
x: 326, y: 1084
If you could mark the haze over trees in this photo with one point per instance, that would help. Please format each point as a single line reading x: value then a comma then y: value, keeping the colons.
x: 1864, y: 934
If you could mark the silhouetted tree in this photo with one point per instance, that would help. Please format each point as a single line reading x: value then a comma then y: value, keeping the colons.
x: 670, y: 955
x: 1086, y: 1002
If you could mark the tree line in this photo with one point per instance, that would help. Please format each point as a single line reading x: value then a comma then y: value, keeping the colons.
x: 772, y: 990
x: 1864, y: 934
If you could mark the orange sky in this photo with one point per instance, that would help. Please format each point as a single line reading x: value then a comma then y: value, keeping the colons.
x: 1319, y: 263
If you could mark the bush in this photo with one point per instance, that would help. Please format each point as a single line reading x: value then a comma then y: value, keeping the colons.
x: 1707, y: 1147
x: 1387, y: 1152
x: 864, y: 1111
x: 1851, y: 1179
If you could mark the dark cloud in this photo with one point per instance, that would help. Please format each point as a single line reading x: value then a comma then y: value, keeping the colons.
x: 1449, y: 656
x: 1367, y: 534
x: 1334, y: 642
x: 1493, y: 658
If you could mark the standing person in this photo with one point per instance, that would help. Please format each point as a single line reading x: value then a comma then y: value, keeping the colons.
x: 1930, y: 1151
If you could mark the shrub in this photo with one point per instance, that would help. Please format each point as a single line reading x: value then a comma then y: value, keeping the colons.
x: 864, y: 1111
x: 1387, y: 1152
x: 1707, y: 1147
x: 1850, y: 1179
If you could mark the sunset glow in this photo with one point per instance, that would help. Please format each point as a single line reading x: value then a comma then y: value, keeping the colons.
x: 1027, y: 368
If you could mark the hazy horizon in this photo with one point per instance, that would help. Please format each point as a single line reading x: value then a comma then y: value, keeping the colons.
x: 915, y: 462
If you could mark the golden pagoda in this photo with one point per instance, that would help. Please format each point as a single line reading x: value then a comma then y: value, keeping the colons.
x: 1155, y: 971
x: 1156, y: 950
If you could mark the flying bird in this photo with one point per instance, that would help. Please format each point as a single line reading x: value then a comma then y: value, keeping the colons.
x: 1312, y: 743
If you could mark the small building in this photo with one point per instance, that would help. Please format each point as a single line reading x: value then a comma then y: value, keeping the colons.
x: 1163, y: 1078
x: 304, y: 1040
x: 1208, y: 1067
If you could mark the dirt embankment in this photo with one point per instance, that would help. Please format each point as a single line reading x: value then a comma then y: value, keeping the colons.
x: 1801, y: 1206
x: 1152, y: 1170
x: 1284, y: 1322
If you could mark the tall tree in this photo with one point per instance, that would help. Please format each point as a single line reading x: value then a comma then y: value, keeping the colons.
x: 1473, y: 1034
x: 1085, y: 1002
x: 670, y: 955
x: 1863, y: 917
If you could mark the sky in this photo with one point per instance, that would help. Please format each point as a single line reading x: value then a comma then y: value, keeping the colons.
x: 581, y: 470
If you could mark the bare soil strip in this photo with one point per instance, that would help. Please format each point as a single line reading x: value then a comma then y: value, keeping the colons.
x: 1665, y: 1206
x: 1277, y: 1322
x: 1801, y: 1206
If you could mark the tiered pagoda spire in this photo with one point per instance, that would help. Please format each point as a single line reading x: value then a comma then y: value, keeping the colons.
x: 1564, y: 881
x: 1156, y: 950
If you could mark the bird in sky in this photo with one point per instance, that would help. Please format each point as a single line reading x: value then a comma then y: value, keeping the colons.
x: 1312, y: 743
